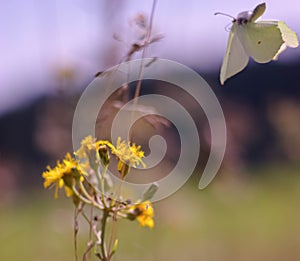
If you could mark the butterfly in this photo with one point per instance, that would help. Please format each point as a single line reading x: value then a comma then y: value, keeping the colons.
x: 262, y: 40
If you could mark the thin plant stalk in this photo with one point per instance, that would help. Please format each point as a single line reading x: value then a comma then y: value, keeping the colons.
x: 139, y: 83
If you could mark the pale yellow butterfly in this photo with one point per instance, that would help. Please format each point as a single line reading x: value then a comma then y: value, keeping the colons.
x: 262, y: 40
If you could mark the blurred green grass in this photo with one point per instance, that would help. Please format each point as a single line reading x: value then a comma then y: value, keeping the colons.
x: 252, y: 218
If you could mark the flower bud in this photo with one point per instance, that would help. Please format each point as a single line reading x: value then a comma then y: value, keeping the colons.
x: 123, y: 168
x: 104, y: 155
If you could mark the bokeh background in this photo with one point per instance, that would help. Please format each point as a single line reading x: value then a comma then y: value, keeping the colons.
x: 51, y: 50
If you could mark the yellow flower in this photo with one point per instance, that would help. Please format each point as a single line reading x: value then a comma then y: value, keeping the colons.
x: 64, y: 174
x: 144, y: 213
x: 87, y: 144
x: 129, y: 154
x: 88, y: 154
x: 92, y: 151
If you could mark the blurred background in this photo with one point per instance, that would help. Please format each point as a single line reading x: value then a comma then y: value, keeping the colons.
x: 51, y: 50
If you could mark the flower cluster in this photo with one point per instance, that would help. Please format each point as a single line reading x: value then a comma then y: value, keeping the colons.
x: 84, y: 177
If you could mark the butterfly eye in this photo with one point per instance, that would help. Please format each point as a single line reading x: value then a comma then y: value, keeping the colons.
x: 242, y: 20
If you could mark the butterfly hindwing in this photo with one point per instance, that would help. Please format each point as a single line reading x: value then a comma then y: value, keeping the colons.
x: 261, y: 40
x: 288, y: 35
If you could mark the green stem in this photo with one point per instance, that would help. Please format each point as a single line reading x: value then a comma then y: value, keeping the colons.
x: 98, y: 177
x: 89, y: 201
x: 102, y: 180
x: 83, y: 199
x: 104, y: 220
x: 86, y: 194
x: 91, y: 230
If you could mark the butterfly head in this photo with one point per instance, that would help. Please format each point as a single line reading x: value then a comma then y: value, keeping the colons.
x: 247, y: 16
x: 243, y: 17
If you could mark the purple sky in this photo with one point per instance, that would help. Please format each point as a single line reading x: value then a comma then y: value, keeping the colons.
x: 38, y: 36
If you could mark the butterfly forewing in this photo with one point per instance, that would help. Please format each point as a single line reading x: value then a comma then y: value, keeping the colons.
x: 235, y: 59
x: 258, y: 11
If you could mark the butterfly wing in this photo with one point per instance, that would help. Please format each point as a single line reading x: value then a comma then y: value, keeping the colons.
x: 258, y: 11
x: 235, y: 59
x: 288, y: 35
x: 261, y: 40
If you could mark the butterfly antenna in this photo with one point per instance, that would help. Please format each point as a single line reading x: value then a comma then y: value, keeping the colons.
x: 219, y: 13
